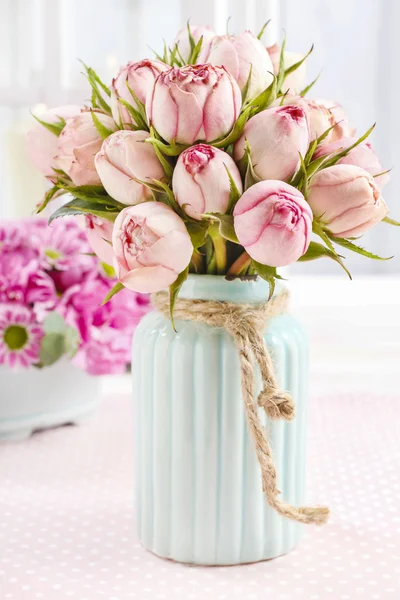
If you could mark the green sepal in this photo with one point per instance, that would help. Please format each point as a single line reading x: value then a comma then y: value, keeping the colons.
x: 166, y: 165
x: 174, y: 291
x: 345, y: 243
x: 225, y: 225
x: 114, y: 290
x: 55, y: 128
x: 319, y: 230
x: 236, y: 131
x: 266, y: 98
x: 192, y: 42
x: 77, y: 207
x: 308, y: 87
x: 167, y: 149
x: 246, y: 166
x: 246, y: 87
x: 171, y: 201
x: 234, y: 193
x: 281, y: 69
x: 136, y: 116
x: 198, y: 232
x: 295, y: 66
x: 98, y: 88
x: 52, y: 348
x: 50, y: 195
x: 390, y: 221
x: 267, y: 273
x: 195, y: 52
x: 139, y: 105
x: 263, y: 28
x: 316, y: 250
x: 103, y: 131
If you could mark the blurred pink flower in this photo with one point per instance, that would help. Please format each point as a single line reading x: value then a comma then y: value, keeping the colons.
x: 20, y: 336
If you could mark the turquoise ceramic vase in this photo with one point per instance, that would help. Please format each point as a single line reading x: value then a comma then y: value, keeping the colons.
x: 198, y: 496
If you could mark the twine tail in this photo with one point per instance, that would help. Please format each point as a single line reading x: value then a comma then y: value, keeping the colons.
x: 277, y: 405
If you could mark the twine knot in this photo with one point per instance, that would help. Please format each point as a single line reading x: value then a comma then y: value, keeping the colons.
x: 246, y: 324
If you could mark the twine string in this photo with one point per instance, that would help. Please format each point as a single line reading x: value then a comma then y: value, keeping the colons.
x: 246, y: 324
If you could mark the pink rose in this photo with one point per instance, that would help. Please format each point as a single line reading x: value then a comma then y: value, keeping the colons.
x: 362, y: 156
x: 273, y: 222
x: 78, y: 145
x: 197, y: 31
x: 201, y: 182
x: 194, y: 103
x: 346, y: 199
x: 99, y: 234
x: 239, y: 53
x: 276, y: 136
x: 123, y: 159
x: 294, y: 82
x: 343, y: 127
x: 151, y: 247
x: 42, y: 145
x: 140, y: 76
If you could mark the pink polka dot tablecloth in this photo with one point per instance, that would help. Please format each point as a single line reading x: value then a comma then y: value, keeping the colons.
x: 67, y: 527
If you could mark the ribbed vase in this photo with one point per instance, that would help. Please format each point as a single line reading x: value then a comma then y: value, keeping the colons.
x: 198, y: 495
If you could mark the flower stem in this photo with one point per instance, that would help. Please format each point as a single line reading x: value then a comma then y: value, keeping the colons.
x: 240, y: 265
x: 219, y: 249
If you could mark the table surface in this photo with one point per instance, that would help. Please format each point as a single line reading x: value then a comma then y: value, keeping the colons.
x: 67, y: 526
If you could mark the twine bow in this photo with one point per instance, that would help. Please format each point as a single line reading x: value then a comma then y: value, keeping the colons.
x: 246, y: 324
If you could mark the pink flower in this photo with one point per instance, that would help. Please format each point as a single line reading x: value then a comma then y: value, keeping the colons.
x: 343, y: 127
x: 276, y: 138
x: 78, y: 145
x: 194, y: 103
x: 362, y: 156
x: 151, y: 246
x: 124, y: 159
x: 42, y: 144
x: 106, y: 353
x: 197, y: 31
x: 20, y: 336
x: 239, y: 53
x: 346, y: 199
x: 200, y: 181
x: 140, y: 77
x: 294, y: 82
x: 274, y: 223
x: 99, y: 233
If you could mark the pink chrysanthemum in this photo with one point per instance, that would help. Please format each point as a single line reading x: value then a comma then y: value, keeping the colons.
x: 20, y: 336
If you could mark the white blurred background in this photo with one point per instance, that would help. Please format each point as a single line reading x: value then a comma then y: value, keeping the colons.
x: 357, y: 47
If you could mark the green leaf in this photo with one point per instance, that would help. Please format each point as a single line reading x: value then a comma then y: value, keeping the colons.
x: 167, y: 149
x: 316, y: 250
x: 192, y: 42
x: 174, y: 291
x: 268, y: 274
x: 76, y: 207
x: 308, y: 87
x: 135, y: 114
x: 55, y: 128
x: 266, y: 98
x: 237, y: 130
x: 114, y: 290
x: 71, y: 341
x: 170, y: 197
x: 195, y: 52
x: 109, y: 271
x: 245, y: 89
x: 391, y: 222
x: 54, y: 323
x: 226, y: 226
x: 53, y: 193
x: 310, y: 152
x: 333, y: 159
x: 234, y: 194
x: 345, y: 243
x: 295, y: 66
x: 103, y: 131
x: 263, y: 28
x: 52, y: 347
x: 281, y: 70
x: 322, y: 233
x: 198, y: 232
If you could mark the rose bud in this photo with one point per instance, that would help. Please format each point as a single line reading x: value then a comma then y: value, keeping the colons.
x: 343, y: 127
x: 239, y: 53
x: 123, y: 159
x: 295, y: 81
x: 42, y: 144
x: 151, y: 247
x: 78, y: 145
x: 99, y: 233
x: 276, y: 136
x: 346, y: 199
x: 197, y: 31
x: 273, y: 223
x: 140, y: 76
x: 362, y: 156
x: 194, y: 103
x: 200, y: 181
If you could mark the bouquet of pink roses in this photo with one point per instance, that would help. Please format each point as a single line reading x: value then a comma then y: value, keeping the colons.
x: 51, y: 290
x: 211, y: 159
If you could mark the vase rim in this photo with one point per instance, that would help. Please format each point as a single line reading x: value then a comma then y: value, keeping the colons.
x: 217, y: 287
